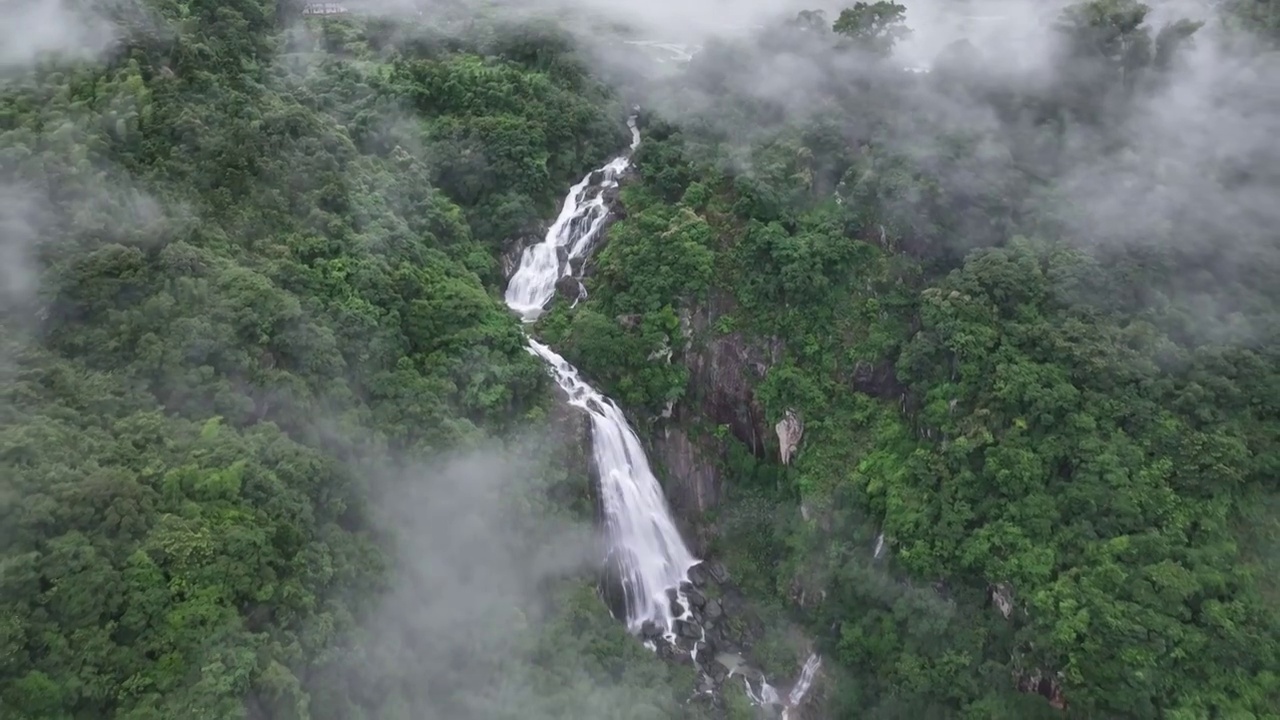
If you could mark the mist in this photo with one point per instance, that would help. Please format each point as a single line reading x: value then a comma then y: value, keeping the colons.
x: 481, y: 563
x: 34, y: 30
x: 18, y: 221
x: 1187, y: 164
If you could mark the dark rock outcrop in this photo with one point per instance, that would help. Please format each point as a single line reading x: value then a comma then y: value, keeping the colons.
x: 690, y: 463
x: 571, y: 289
x: 877, y: 380
x: 724, y: 369
x: 509, y: 258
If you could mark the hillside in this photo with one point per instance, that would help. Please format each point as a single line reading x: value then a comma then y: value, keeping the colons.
x: 972, y: 377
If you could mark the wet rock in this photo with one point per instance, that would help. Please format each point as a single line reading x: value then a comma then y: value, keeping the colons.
x: 676, y: 608
x: 687, y: 629
x: 698, y: 575
x: 706, y: 685
x: 650, y: 630
x: 509, y: 258
x: 706, y: 648
x: 570, y: 288
x: 712, y: 610
x: 696, y: 598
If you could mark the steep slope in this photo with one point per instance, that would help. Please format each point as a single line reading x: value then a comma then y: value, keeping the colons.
x: 258, y: 397
x: 1034, y: 468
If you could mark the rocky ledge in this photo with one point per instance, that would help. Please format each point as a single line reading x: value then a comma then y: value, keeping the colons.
x: 716, y: 636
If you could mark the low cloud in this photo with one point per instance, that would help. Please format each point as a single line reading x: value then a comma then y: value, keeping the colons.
x: 35, y: 30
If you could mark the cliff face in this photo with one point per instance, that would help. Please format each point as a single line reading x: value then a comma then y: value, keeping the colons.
x: 724, y: 370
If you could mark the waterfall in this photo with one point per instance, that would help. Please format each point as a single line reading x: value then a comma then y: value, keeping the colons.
x: 651, y: 560
x: 801, y: 688
x: 645, y: 546
x: 569, y: 238
x: 644, y: 542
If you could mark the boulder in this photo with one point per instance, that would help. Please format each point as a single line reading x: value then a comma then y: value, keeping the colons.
x: 698, y: 575
x: 686, y: 629
x: 712, y: 611
x: 570, y: 288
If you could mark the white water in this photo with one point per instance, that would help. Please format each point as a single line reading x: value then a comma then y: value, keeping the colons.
x: 644, y: 541
x: 803, y: 684
x: 644, y: 544
x: 569, y: 238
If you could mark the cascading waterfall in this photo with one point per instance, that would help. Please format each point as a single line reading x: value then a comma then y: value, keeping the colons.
x: 645, y: 546
x: 801, y: 688
x: 644, y: 543
x: 584, y: 212
x: 646, y: 550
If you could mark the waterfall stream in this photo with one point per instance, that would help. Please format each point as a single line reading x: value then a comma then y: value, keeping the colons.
x: 646, y: 552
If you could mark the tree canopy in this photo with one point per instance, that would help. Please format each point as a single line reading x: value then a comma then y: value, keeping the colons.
x: 265, y: 427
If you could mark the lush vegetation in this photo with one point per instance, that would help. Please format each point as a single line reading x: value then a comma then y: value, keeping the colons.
x: 247, y: 293
x: 1030, y: 405
x: 251, y: 349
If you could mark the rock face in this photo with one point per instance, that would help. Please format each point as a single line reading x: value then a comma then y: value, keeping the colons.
x: 571, y: 289
x: 724, y: 369
x: 717, y: 639
x: 790, y: 431
x: 509, y: 258
x: 570, y: 436
x: 691, y: 463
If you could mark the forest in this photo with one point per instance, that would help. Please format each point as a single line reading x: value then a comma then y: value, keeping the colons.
x: 271, y: 447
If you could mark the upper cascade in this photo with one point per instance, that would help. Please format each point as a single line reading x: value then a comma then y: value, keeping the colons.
x: 570, y: 237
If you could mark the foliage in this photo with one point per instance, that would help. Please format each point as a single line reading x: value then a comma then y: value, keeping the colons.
x: 979, y: 383
x: 873, y: 27
x: 243, y: 269
x: 247, y: 269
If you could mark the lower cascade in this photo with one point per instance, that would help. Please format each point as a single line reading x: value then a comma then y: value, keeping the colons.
x: 647, y: 557
x: 645, y: 546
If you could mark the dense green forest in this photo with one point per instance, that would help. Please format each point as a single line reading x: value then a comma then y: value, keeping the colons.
x: 273, y: 448
x: 247, y: 310
x: 1085, y: 425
